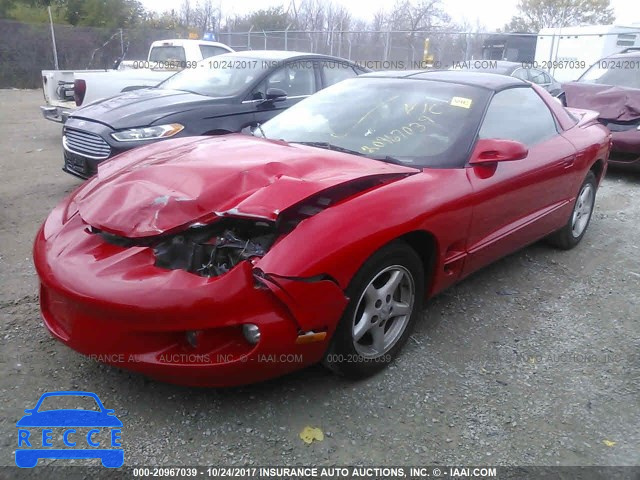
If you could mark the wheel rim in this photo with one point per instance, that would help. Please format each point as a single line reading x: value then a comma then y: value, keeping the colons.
x: 383, y: 311
x: 582, y: 210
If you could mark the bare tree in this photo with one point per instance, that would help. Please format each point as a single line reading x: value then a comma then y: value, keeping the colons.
x: 186, y: 13
x: 205, y: 16
x: 537, y: 14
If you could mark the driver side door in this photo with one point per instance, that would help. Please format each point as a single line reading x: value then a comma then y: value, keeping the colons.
x: 518, y: 202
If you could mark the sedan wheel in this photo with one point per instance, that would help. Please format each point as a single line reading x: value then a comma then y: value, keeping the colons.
x: 582, y: 210
x: 570, y: 235
x: 383, y: 311
x: 385, y: 302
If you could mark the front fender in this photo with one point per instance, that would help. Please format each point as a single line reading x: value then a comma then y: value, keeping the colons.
x: 338, y: 240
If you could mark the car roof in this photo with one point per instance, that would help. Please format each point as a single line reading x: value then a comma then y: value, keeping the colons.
x: 183, y: 41
x: 504, y: 67
x: 490, y: 81
x: 625, y: 56
x: 501, y: 63
x: 281, y: 55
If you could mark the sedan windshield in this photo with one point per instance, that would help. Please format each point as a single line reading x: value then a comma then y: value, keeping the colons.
x: 220, y: 76
x: 619, y: 72
x: 409, y: 121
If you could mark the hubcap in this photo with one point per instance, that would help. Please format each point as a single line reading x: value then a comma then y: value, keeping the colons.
x: 383, y: 311
x: 582, y: 210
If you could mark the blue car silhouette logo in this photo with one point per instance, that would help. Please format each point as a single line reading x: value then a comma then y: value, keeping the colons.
x: 83, y: 433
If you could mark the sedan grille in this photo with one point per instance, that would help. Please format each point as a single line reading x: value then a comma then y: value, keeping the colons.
x: 85, y: 143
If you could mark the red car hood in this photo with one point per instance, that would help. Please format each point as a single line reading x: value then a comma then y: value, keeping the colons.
x: 171, y: 184
x: 613, y: 103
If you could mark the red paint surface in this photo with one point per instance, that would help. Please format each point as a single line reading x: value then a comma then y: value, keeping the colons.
x: 103, y: 299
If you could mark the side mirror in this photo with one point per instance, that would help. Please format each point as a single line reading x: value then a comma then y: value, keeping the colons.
x: 275, y: 95
x: 494, y: 150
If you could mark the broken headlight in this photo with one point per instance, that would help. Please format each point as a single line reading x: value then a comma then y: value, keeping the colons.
x: 213, y: 250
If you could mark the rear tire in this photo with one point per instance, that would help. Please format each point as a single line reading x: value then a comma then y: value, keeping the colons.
x: 570, y: 235
x: 385, y: 302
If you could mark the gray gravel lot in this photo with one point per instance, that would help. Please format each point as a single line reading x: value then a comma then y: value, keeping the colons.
x: 533, y: 361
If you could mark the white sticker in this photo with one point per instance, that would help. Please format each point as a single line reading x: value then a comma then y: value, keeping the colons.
x: 461, y: 102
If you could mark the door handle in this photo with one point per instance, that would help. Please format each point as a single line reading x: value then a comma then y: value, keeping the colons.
x: 567, y: 162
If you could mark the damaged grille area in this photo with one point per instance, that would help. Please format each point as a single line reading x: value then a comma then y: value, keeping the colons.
x: 209, y: 250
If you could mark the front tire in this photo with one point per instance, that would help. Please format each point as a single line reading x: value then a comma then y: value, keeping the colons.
x: 570, y: 235
x: 385, y: 302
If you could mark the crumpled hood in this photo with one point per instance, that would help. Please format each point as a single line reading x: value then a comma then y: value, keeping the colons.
x: 170, y: 184
x: 613, y: 103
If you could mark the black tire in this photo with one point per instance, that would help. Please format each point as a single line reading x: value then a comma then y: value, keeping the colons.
x: 566, y: 238
x: 400, y: 261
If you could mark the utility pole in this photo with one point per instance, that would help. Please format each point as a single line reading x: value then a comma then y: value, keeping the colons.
x: 53, y: 40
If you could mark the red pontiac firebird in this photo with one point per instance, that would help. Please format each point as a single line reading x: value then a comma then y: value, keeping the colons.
x: 219, y: 261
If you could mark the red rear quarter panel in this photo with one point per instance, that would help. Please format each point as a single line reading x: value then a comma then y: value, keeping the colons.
x: 591, y: 139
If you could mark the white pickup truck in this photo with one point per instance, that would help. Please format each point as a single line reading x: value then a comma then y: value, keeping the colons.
x: 65, y: 90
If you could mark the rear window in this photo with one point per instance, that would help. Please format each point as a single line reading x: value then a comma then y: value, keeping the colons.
x: 211, y: 51
x: 165, y: 53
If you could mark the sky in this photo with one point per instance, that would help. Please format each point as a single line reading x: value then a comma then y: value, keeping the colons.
x: 492, y: 14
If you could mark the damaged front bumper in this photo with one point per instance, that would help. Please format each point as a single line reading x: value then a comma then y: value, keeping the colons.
x: 116, y: 306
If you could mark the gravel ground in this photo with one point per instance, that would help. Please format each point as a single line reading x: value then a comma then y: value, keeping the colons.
x: 532, y: 361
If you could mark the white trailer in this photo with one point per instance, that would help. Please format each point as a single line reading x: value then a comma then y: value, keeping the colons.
x: 567, y: 52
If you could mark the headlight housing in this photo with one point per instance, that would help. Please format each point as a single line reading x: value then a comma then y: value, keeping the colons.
x: 148, y: 133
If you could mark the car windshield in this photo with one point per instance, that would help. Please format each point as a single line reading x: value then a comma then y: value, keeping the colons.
x: 68, y: 402
x: 408, y: 121
x: 219, y: 76
x: 619, y: 72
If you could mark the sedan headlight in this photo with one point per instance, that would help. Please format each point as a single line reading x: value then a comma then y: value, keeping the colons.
x: 148, y: 133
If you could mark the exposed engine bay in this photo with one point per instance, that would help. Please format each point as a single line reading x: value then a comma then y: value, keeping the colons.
x: 212, y: 249
x: 206, y: 250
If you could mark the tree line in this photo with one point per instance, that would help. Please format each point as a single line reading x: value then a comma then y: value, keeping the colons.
x: 319, y: 15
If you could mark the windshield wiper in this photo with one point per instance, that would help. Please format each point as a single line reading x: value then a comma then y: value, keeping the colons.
x: 259, y: 127
x: 394, y: 160
x: 331, y: 146
x: 188, y: 91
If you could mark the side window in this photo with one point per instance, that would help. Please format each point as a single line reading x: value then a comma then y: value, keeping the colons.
x: 335, y: 72
x: 211, y: 51
x: 520, y: 73
x: 278, y: 79
x: 302, y: 79
x: 518, y: 114
x: 297, y: 79
x: 539, y: 77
